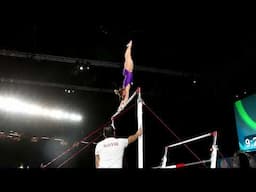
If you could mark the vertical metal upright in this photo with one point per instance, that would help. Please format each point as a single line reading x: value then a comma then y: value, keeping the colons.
x: 214, y: 150
x: 140, y: 125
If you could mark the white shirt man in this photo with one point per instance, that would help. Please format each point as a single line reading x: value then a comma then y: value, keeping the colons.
x: 109, y: 152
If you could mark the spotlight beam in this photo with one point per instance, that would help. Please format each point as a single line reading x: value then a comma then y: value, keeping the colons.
x: 18, y: 106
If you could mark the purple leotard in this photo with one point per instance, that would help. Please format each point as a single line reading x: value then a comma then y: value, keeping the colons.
x: 128, y: 77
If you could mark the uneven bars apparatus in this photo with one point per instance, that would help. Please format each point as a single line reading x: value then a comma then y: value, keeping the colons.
x: 213, y: 158
x: 140, y: 122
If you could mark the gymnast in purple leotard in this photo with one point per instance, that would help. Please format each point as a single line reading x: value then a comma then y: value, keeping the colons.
x: 128, y: 78
x: 124, y: 92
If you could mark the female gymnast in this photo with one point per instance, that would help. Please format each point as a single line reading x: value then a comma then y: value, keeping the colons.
x: 124, y: 92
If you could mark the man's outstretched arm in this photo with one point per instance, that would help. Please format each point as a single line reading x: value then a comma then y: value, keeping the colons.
x: 134, y: 137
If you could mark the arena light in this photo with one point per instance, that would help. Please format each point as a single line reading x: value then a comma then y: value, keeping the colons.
x: 21, y: 166
x: 15, y: 105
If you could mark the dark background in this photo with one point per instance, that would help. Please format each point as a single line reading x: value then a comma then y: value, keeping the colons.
x: 214, y: 47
